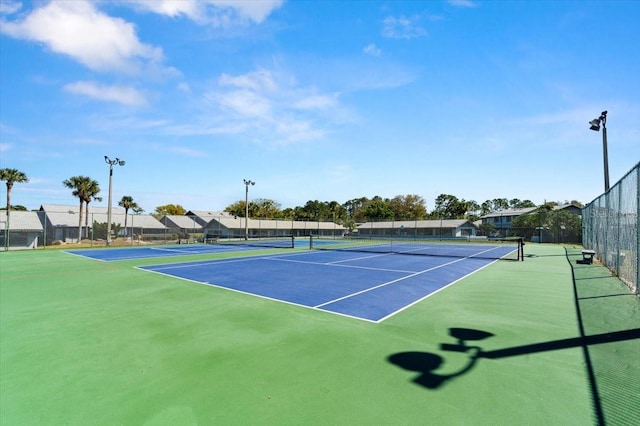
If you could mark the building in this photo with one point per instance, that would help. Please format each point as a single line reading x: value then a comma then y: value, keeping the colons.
x: 21, y: 230
x: 61, y: 223
x: 182, y: 225
x: 203, y: 217
x: 234, y: 227
x: 441, y: 228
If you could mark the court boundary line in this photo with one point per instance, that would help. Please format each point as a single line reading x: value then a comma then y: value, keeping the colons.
x: 246, y: 293
x: 279, y: 256
x: 436, y: 291
x: 415, y: 274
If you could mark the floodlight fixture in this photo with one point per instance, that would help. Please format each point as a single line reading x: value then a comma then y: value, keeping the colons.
x: 111, y: 163
x: 247, y: 182
x: 595, y: 125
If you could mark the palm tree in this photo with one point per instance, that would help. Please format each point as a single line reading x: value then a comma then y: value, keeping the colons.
x: 91, y: 194
x: 127, y: 203
x: 11, y: 176
x: 81, y: 186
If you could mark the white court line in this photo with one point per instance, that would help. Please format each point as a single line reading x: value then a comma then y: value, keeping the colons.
x: 335, y: 264
x: 388, y: 283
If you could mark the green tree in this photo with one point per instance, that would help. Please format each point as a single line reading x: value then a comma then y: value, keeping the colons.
x: 237, y: 209
x: 100, y: 229
x: 265, y: 208
x: 169, y: 210
x: 93, y: 188
x: 81, y: 185
x: 487, y: 228
x: 408, y: 207
x: 528, y: 225
x: 378, y: 210
x: 500, y: 204
x: 355, y: 207
x: 127, y: 203
x: 564, y: 226
x: 338, y: 212
x: 486, y: 208
x: 450, y: 207
x: 11, y: 176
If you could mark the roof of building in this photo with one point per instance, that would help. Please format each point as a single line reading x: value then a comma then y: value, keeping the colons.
x: 437, y: 223
x: 59, y: 208
x: 60, y: 215
x: 512, y: 212
x: 207, y: 213
x: 20, y: 221
x: 231, y: 222
x: 180, y: 221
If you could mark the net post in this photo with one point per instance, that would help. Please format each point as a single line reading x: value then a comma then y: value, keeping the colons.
x: 521, y: 249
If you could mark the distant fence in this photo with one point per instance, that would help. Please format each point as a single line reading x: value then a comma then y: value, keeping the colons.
x: 32, y: 230
x: 610, y: 228
x: 38, y: 229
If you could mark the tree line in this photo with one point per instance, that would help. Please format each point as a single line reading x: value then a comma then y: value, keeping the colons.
x: 349, y: 213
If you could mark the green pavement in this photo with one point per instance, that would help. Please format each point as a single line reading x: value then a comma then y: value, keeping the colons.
x: 86, y: 342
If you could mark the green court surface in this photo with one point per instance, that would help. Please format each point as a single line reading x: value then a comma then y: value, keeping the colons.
x: 538, y: 342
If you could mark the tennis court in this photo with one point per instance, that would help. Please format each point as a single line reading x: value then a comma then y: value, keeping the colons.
x: 371, y: 287
x: 182, y: 339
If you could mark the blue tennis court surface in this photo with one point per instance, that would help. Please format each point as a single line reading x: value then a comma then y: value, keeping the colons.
x: 366, y: 286
x: 132, y: 253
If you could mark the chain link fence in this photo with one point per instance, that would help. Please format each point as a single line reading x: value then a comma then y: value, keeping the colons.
x: 610, y: 228
x: 40, y: 229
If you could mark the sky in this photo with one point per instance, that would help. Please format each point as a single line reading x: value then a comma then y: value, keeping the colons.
x: 317, y: 100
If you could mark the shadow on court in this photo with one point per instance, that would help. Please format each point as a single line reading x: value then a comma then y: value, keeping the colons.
x: 595, y: 297
x: 426, y: 364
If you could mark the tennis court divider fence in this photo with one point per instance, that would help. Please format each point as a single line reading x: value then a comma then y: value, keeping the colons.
x: 610, y: 228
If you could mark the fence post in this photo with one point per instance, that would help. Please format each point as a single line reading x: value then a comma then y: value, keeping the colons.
x: 637, y: 228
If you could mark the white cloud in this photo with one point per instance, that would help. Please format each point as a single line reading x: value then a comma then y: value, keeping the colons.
x: 462, y: 3
x: 260, y: 80
x: 255, y: 10
x: 121, y: 94
x: 297, y: 130
x: 372, y: 49
x: 9, y: 7
x: 218, y: 13
x: 316, y: 102
x: 269, y: 107
x: 247, y: 103
x: 402, y: 27
x: 77, y: 29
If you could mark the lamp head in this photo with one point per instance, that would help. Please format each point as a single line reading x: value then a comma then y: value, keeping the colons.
x: 121, y: 162
x: 595, y: 124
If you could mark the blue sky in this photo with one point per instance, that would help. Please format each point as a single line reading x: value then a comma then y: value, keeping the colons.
x: 317, y: 100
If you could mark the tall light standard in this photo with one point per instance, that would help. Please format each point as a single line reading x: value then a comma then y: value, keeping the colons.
x: 595, y: 125
x: 246, y: 207
x: 111, y: 163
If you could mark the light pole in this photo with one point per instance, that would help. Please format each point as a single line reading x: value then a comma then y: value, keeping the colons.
x: 246, y: 207
x: 595, y: 125
x: 111, y: 163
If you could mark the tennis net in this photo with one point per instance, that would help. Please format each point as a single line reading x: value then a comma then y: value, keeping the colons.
x: 492, y: 248
x: 281, y: 241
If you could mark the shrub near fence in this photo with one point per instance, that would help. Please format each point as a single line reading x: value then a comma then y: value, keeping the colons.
x: 610, y: 228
